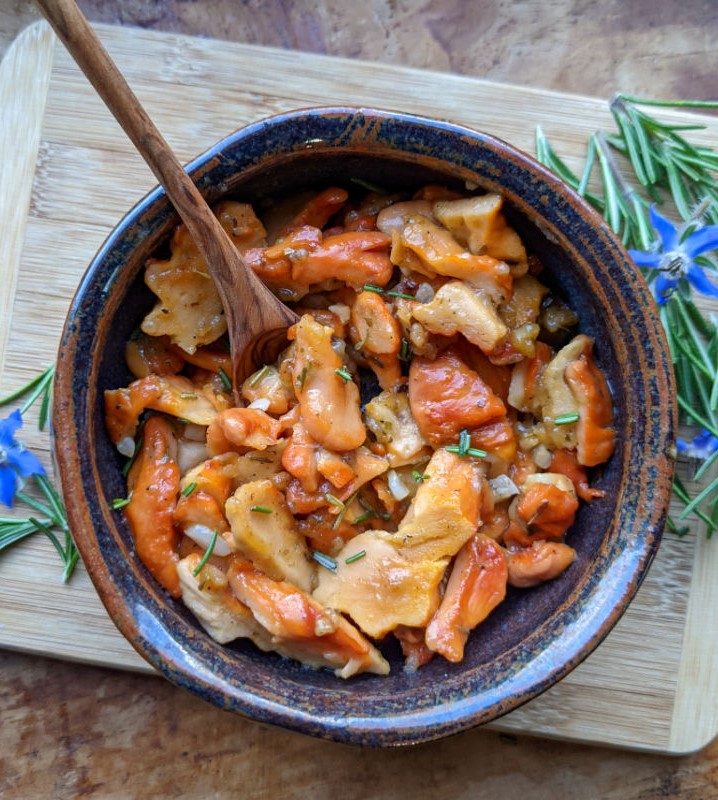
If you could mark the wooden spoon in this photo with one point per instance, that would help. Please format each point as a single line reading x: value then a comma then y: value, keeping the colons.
x: 256, y: 319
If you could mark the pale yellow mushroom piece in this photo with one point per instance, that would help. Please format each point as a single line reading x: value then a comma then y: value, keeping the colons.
x: 262, y: 531
x: 458, y: 308
x: 189, y: 310
x: 393, y: 579
x: 479, y: 224
x: 426, y: 247
x: 209, y: 598
x: 388, y: 416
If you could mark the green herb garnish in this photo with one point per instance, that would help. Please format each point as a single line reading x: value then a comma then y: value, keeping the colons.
x: 226, y: 382
x: 566, y: 419
x: 257, y: 377
x: 326, y: 561
x: 207, y: 553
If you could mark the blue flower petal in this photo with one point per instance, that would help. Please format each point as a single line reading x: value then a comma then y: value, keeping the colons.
x: 700, y: 281
x: 25, y: 462
x: 665, y: 229
x: 8, y: 427
x: 701, y: 241
x: 663, y: 287
x: 643, y: 259
x: 8, y: 481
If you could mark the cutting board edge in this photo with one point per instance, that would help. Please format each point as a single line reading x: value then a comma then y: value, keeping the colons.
x: 24, y: 84
x: 39, y: 25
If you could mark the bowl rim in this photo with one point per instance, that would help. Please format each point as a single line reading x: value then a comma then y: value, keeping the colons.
x: 602, y: 606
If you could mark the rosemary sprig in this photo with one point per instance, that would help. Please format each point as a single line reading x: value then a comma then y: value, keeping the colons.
x: 53, y: 520
x: 645, y: 162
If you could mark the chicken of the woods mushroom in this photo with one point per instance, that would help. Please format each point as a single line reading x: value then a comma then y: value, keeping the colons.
x: 422, y: 443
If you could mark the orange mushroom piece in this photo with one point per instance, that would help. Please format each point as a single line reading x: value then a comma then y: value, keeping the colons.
x: 477, y: 584
x: 566, y: 463
x: 377, y: 334
x: 541, y: 562
x: 240, y: 428
x: 545, y: 509
x: 447, y: 396
x: 153, y: 482
x: 596, y: 437
x: 301, y: 627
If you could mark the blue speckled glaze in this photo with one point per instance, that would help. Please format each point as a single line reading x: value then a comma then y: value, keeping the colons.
x: 535, y: 637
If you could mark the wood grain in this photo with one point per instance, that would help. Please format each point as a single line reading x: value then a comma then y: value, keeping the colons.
x: 23, y: 93
x: 657, y: 699
x: 74, y: 730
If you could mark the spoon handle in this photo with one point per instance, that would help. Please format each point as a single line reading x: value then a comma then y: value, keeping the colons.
x: 254, y: 308
x: 82, y: 42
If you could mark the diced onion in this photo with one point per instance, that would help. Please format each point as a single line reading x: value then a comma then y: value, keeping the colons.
x: 425, y: 293
x: 202, y: 535
x: 262, y: 403
x: 342, y: 311
x: 189, y: 454
x: 542, y: 456
x: 502, y: 487
x: 396, y: 485
x: 126, y: 446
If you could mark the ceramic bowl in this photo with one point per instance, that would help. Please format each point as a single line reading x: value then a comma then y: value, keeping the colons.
x: 535, y: 637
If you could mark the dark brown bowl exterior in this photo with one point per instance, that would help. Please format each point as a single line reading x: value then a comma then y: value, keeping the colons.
x: 535, y: 637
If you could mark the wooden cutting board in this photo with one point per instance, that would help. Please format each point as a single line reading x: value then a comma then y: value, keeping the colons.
x: 67, y: 174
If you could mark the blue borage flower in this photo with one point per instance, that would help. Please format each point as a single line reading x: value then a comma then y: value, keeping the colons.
x: 16, y: 463
x: 701, y: 447
x: 675, y: 255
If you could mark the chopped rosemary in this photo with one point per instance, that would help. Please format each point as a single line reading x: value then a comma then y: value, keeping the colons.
x: 258, y: 375
x: 36, y: 387
x: 260, y: 509
x: 187, y: 491
x: 362, y: 517
x: 120, y: 502
x: 369, y: 287
x: 343, y: 511
x: 207, y: 553
x: 566, y: 419
x: 335, y: 501
x: 419, y: 477
x: 470, y: 451
x: 383, y: 515
x: 464, y: 443
x: 370, y: 187
x: 401, y: 295
x: 355, y: 557
x: 131, y: 460
x: 344, y: 374
x: 226, y: 382
x: 405, y: 353
x: 302, y: 379
x: 326, y: 561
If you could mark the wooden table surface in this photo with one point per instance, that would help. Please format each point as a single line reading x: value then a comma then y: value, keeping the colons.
x: 69, y: 730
